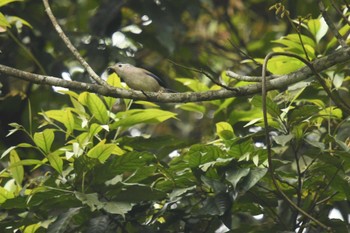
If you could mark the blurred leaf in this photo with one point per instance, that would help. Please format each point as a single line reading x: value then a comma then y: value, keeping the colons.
x: 255, y: 174
x: 90, y: 199
x: 3, y: 23
x: 236, y: 175
x: 5, y: 2
x: 120, y: 208
x: 56, y: 162
x: 284, y: 65
x: 5, y: 195
x: 192, y: 107
x: 271, y: 106
x: 224, y: 130
x: 63, y: 221
x: 137, y: 116
x: 216, y: 205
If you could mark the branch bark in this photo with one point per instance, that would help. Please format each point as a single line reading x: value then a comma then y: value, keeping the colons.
x: 321, y: 64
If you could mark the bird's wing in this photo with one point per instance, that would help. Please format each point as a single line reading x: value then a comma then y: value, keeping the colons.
x: 160, y: 81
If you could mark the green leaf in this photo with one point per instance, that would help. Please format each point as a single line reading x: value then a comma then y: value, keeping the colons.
x: 177, y: 193
x: 5, y: 195
x: 5, y: 2
x: 318, y: 28
x: 283, y: 139
x: 44, y: 139
x: 32, y: 228
x: 284, y: 65
x: 15, y: 19
x: 3, y: 22
x: 255, y: 174
x: 102, y: 151
x: 192, y: 107
x: 236, y: 175
x: 201, y: 154
x: 90, y: 199
x: 56, y: 162
x: 16, y: 171
x: 194, y: 84
x: 216, y: 205
x: 137, y: 116
x: 26, y: 162
x: 120, y: 208
x: 271, y: 106
x: 95, y: 106
x: 224, y: 130
x: 334, y: 41
x: 114, y: 81
x: 133, y: 193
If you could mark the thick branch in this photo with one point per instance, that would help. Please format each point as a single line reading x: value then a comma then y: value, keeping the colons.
x: 321, y: 64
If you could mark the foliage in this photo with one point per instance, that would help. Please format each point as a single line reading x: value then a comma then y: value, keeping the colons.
x: 90, y: 163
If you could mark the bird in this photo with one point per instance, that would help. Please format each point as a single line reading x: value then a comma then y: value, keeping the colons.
x: 138, y: 78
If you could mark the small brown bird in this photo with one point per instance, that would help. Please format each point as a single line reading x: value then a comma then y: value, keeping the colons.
x: 138, y: 78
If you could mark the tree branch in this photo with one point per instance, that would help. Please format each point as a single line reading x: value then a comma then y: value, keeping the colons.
x: 70, y: 46
x: 321, y: 64
x: 330, y: 24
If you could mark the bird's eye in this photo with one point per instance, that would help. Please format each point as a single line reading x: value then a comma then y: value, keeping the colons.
x: 120, y: 65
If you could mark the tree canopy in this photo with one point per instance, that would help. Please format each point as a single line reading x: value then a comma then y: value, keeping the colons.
x: 255, y: 137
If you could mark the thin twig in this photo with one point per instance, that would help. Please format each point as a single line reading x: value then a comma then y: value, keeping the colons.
x: 268, y: 141
x: 330, y: 24
x: 245, y: 78
x: 339, y: 12
x: 201, y: 71
x: 244, y: 54
x: 70, y: 46
x: 27, y: 51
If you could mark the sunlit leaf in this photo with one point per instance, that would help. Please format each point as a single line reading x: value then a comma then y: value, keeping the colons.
x: 137, y: 116
x: 95, y: 105
x: 16, y: 171
x: 224, y: 130
x: 44, y: 139
x: 102, y: 151
x: 5, y: 2
x: 56, y: 162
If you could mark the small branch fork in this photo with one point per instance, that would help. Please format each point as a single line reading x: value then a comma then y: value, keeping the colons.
x: 70, y: 46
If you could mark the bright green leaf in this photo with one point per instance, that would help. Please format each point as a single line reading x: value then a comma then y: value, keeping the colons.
x: 5, y: 195
x: 271, y: 106
x: 137, y: 116
x: 32, y: 228
x: 318, y: 28
x: 5, y: 2
x: 44, y: 139
x: 95, y: 105
x: 192, y: 107
x: 224, y: 130
x: 3, y: 22
x: 17, y: 171
x: 102, y: 151
x: 56, y: 162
